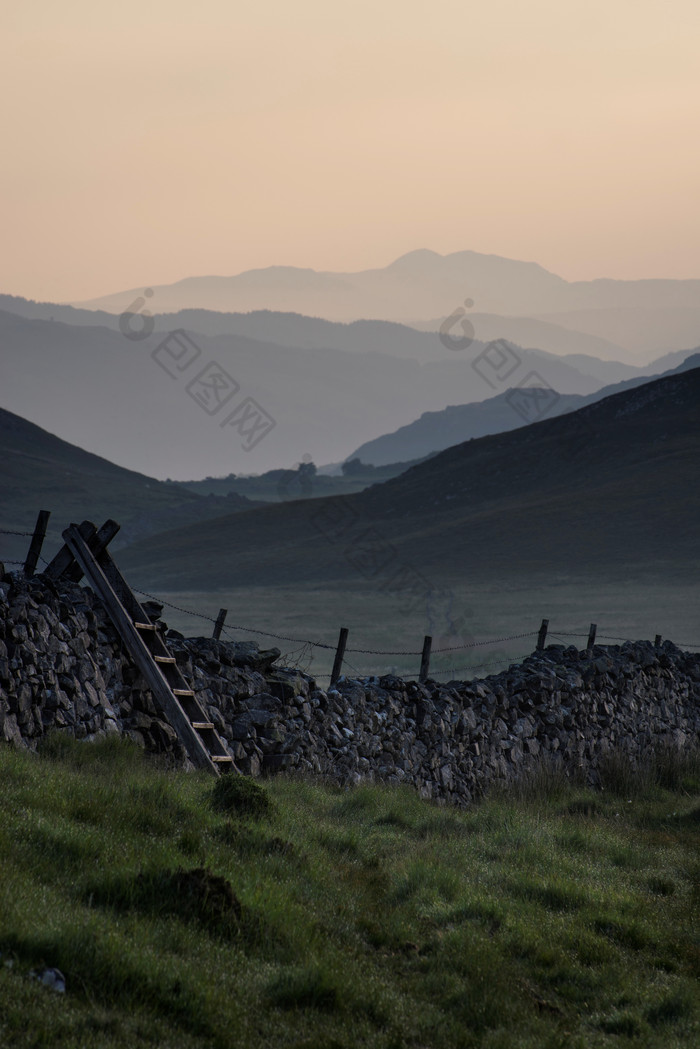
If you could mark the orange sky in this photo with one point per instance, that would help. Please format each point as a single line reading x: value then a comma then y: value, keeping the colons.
x: 148, y: 141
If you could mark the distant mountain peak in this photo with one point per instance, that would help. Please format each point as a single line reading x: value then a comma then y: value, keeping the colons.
x: 417, y: 257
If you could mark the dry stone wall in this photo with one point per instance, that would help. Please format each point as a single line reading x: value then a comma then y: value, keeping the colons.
x: 63, y: 668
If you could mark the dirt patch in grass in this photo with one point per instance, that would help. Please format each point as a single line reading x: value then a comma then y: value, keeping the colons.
x: 193, y: 895
x: 196, y: 893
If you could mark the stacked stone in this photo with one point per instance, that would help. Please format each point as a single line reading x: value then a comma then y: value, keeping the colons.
x: 453, y: 741
x: 63, y: 667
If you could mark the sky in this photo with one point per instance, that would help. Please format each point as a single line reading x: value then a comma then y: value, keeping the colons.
x: 144, y: 142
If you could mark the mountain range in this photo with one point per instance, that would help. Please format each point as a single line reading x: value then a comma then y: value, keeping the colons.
x: 131, y: 402
x: 595, y: 356
x: 640, y: 316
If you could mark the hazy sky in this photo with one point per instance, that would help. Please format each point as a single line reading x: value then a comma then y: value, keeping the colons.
x: 152, y: 140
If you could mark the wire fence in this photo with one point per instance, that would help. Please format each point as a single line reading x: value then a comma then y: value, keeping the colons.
x: 304, y: 653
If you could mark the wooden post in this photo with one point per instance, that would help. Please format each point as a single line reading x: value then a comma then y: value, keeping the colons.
x: 37, y: 542
x: 657, y: 641
x: 425, y: 659
x: 340, y: 652
x: 591, y: 636
x: 218, y: 625
x: 542, y: 636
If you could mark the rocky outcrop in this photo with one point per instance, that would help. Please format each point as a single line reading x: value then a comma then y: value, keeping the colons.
x: 62, y: 667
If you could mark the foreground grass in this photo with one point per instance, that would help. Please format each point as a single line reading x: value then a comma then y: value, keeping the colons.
x: 185, y: 912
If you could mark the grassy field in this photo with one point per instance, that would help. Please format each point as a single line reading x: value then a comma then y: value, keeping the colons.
x: 460, y: 616
x: 187, y: 912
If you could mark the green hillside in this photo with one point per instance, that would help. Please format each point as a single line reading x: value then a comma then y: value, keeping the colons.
x: 191, y: 913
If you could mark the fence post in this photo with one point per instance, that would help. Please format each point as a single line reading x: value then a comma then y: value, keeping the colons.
x: 425, y: 659
x: 542, y: 636
x: 657, y: 641
x: 591, y: 636
x: 218, y: 625
x: 37, y: 542
x: 340, y: 652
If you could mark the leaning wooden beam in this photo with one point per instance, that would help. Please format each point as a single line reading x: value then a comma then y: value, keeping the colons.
x: 64, y: 561
x: 97, y: 543
x: 144, y: 659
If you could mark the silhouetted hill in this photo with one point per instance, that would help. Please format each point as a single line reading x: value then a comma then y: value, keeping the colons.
x: 609, y: 490
x: 596, y: 357
x: 435, y: 431
x: 590, y: 353
x: 643, y: 330
x: 546, y: 335
x: 38, y: 471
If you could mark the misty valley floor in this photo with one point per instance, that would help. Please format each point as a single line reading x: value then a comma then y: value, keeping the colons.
x: 464, y: 613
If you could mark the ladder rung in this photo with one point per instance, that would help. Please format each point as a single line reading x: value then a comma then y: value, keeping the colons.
x: 165, y: 659
x: 220, y: 758
x: 183, y: 692
x: 202, y: 724
x: 145, y: 626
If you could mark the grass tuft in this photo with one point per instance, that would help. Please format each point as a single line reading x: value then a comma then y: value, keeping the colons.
x: 240, y: 796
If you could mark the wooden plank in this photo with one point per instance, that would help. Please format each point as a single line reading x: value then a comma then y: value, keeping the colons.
x: 162, y: 693
x: 591, y: 637
x: 36, y: 543
x: 542, y: 636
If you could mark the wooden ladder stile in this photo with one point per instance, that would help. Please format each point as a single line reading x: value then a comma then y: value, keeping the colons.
x: 172, y: 695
